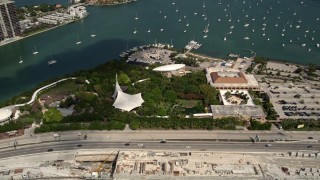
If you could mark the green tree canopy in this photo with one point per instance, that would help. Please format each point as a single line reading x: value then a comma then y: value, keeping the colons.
x: 52, y: 115
x: 123, y: 78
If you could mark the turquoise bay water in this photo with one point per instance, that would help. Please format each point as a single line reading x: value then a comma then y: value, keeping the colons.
x: 114, y: 26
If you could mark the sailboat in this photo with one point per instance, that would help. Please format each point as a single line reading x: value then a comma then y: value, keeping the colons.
x: 161, y: 30
x: 135, y: 31
x: 231, y: 27
x: 35, y: 51
x: 205, y: 36
x: 93, y: 34
x: 230, y: 18
x: 246, y: 38
x: 185, y: 16
x: 253, y: 29
x: 195, y: 13
x: 204, y: 4
x: 187, y: 24
x: 225, y: 37
x: 52, y: 61
x: 246, y: 25
x: 78, y: 42
x: 219, y: 2
x: 136, y: 18
x: 21, y: 60
x: 149, y: 30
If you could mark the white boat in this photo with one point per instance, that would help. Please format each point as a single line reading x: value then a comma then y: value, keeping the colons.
x: 225, y: 37
x: 187, y: 24
x: 219, y: 20
x: 312, y: 38
x: 179, y: 20
x: 317, y: 45
x: 230, y: 18
x: 185, y: 30
x: 35, y: 51
x: 309, y: 49
x: 205, y: 36
x: 290, y: 41
x: 268, y: 39
x: 264, y: 24
x: 282, y: 34
x: 78, y: 42
x: 149, y: 30
x: 246, y: 25
x: 219, y: 2
x: 276, y: 25
x: 185, y: 16
x: 93, y: 34
x: 136, y: 18
x: 21, y: 60
x: 135, y: 31
x: 231, y: 27
x: 297, y: 26
x: 195, y: 13
x: 283, y: 45
x: 204, y: 4
x: 161, y: 30
x: 165, y: 17
x: 303, y: 45
x: 246, y: 38
x: 52, y: 61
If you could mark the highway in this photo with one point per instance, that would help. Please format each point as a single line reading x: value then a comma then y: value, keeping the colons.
x: 156, y: 145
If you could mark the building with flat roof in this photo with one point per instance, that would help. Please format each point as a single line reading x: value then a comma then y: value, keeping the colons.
x: 9, y: 23
x: 243, y: 111
x: 227, y: 78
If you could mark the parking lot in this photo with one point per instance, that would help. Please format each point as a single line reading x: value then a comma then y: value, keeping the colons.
x: 295, y: 102
x: 151, y: 56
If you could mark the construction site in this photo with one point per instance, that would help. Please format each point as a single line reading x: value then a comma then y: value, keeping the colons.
x: 148, y: 164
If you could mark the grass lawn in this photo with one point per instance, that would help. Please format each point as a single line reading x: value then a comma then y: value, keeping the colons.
x: 62, y: 88
x: 188, y: 103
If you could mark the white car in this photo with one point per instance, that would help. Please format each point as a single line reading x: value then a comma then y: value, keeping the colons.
x: 188, y: 147
x: 140, y: 145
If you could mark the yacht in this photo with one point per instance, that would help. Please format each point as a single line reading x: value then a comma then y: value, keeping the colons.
x: 303, y: 45
x: 35, y: 51
x: 185, y: 30
x: 187, y: 24
x: 78, y: 42
x: 21, y: 60
x: 246, y: 38
x: 135, y: 31
x: 317, y: 45
x: 276, y: 25
x: 161, y: 30
x: 297, y: 26
x: 246, y: 25
x: 205, y: 36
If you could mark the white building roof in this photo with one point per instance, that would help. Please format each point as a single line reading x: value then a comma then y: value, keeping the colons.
x: 171, y: 67
x: 126, y: 101
x: 5, y: 113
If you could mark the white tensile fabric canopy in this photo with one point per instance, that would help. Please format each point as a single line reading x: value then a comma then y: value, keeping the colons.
x: 126, y: 101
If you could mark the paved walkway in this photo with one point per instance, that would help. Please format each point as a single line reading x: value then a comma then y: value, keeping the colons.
x: 34, y: 96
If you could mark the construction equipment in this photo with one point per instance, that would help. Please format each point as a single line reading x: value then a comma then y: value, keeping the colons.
x: 101, y: 166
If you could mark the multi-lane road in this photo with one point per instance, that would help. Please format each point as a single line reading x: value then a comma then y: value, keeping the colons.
x: 175, y: 140
x: 185, y: 145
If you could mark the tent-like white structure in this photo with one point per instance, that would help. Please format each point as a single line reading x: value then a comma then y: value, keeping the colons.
x: 125, y: 101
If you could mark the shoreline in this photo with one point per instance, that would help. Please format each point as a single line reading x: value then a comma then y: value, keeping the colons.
x: 23, y: 37
x: 114, y: 4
